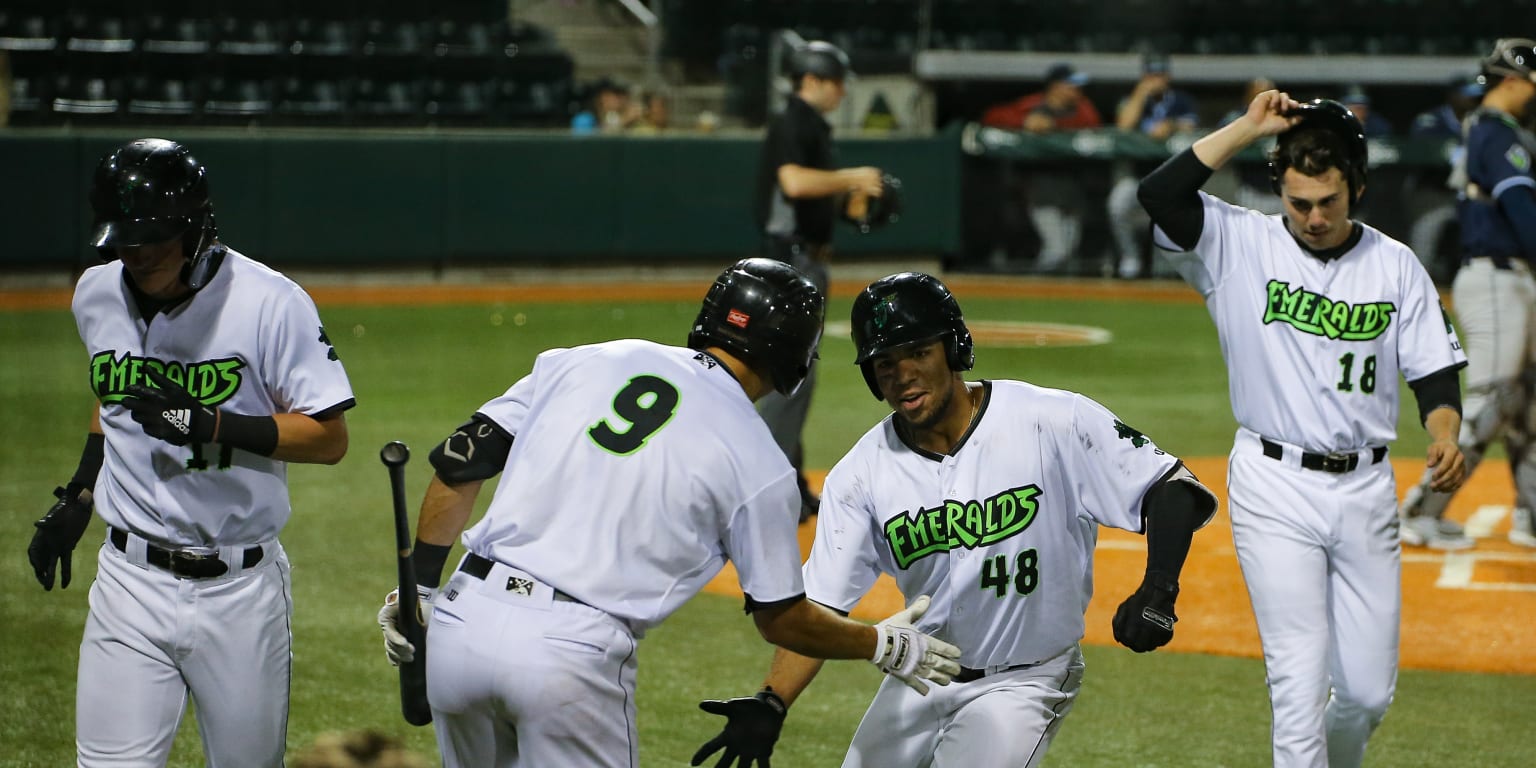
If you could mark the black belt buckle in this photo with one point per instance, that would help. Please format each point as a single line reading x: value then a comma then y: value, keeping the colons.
x: 190, y: 565
x: 1339, y: 462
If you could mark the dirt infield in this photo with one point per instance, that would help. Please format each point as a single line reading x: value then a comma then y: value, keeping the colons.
x: 1466, y: 612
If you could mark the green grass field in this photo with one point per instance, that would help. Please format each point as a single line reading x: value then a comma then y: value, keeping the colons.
x: 418, y: 372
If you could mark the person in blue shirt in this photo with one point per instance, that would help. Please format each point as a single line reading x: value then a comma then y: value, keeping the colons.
x: 1359, y: 104
x: 1494, y: 295
x: 1430, y: 200
x: 1157, y: 110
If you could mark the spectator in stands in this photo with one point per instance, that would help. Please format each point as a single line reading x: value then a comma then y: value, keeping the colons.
x: 1157, y: 110
x: 656, y: 114
x: 610, y: 110
x: 1359, y: 103
x: 1462, y: 95
x: 1431, y: 201
x: 1253, y: 175
x: 1056, y: 199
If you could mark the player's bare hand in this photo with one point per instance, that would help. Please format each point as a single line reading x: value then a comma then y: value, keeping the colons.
x: 1039, y: 122
x: 752, y: 725
x: 1450, y: 467
x: 911, y: 656
x: 1268, y: 113
x: 864, y: 180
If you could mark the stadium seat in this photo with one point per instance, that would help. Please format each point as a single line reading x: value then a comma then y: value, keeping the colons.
x: 31, y: 99
x: 154, y: 96
x: 388, y: 101
x: 464, y: 101
x: 28, y: 25
x: 177, y: 36
x: 320, y: 37
x: 86, y: 98
x: 237, y: 98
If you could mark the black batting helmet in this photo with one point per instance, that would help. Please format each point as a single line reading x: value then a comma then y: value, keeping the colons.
x: 1328, y: 136
x: 1511, y: 57
x: 150, y: 191
x: 906, y: 308
x: 819, y: 58
x: 766, y: 313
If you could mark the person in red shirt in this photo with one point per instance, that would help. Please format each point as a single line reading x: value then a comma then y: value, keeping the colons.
x: 1059, y: 107
x: 1056, y: 196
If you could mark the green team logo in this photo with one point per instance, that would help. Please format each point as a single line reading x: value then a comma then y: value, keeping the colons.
x: 212, y: 382
x: 1319, y: 315
x: 968, y: 524
x: 883, y: 312
x: 1127, y: 432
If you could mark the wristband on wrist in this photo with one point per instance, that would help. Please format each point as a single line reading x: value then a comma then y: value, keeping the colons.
x: 429, y: 560
x: 90, y: 461
x: 256, y: 434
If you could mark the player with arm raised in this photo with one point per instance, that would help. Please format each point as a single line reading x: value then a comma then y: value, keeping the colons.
x: 1317, y: 315
x: 988, y: 496
x: 630, y: 473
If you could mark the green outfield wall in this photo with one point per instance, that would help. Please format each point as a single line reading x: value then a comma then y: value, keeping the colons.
x: 360, y: 198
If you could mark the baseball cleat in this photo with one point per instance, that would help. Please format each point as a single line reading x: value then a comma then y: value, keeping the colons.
x: 1522, y: 529
x: 1445, y: 535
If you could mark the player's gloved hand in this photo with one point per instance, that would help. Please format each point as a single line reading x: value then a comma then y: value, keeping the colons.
x: 911, y: 656
x: 752, y: 727
x: 1145, y: 620
x: 168, y: 412
x: 398, y: 649
x: 57, y: 534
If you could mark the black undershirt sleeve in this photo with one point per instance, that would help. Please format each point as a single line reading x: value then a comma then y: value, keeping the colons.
x: 1438, y: 390
x: 1170, y: 195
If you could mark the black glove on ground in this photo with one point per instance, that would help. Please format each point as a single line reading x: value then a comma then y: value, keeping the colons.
x: 57, y: 534
x: 168, y: 412
x: 1145, y: 620
x: 751, y: 728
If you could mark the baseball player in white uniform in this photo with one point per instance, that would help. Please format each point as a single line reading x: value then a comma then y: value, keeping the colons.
x: 212, y: 372
x: 987, y: 496
x: 1317, y: 315
x: 630, y: 472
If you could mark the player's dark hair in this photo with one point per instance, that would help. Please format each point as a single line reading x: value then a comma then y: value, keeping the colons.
x: 1327, y: 136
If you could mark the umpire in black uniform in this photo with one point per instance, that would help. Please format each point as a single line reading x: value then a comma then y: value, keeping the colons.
x: 800, y: 192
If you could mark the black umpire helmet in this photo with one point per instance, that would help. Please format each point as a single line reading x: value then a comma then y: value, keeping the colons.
x: 766, y: 313
x: 1328, y: 136
x: 907, y: 308
x: 819, y: 58
x: 1511, y: 57
x: 150, y: 191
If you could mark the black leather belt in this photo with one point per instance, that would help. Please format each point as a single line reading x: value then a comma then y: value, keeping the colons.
x: 183, y: 564
x: 480, y: 567
x: 1336, y: 463
x: 967, y: 674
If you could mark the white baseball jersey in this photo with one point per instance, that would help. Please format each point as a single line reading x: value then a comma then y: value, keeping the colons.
x: 636, y: 471
x: 1304, y: 339
x: 1313, y: 351
x: 250, y: 341
x: 1000, y: 533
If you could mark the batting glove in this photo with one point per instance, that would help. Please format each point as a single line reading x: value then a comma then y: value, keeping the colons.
x: 911, y: 656
x: 168, y: 412
x: 1145, y: 620
x: 57, y: 534
x: 752, y: 727
x: 398, y: 649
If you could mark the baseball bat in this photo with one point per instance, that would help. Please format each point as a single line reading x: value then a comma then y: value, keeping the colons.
x: 413, y: 674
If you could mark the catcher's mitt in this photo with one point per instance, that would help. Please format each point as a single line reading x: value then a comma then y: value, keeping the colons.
x: 869, y: 213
